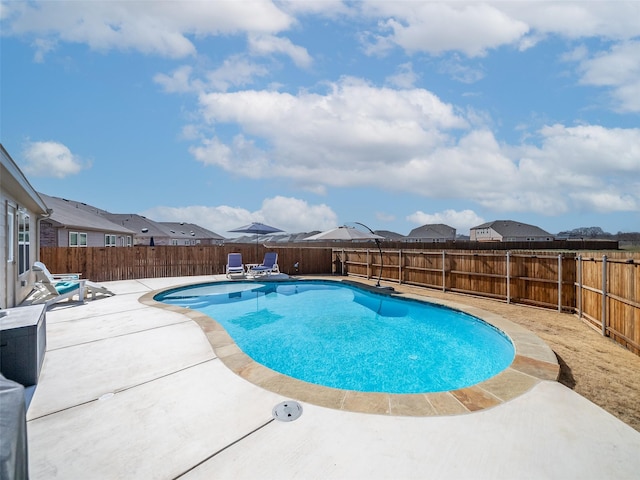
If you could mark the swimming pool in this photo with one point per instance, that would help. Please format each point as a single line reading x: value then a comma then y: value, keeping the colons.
x: 341, y: 336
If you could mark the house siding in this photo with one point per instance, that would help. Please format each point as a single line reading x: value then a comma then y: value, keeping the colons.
x: 94, y: 239
x: 16, y: 194
x: 4, y: 249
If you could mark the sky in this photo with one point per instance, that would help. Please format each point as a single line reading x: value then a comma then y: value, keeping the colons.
x: 307, y: 115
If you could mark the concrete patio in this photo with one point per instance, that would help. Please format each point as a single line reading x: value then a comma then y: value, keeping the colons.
x: 131, y: 391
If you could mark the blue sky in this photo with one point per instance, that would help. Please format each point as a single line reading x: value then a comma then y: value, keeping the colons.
x: 310, y: 114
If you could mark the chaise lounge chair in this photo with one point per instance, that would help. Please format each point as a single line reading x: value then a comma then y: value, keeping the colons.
x: 52, y: 288
x: 268, y: 266
x: 234, y: 264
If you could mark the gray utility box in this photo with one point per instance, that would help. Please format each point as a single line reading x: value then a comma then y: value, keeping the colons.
x: 23, y: 341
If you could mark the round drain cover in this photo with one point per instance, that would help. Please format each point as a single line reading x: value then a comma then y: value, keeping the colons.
x: 287, y: 411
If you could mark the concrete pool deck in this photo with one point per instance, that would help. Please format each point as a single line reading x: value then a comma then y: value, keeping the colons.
x: 132, y: 391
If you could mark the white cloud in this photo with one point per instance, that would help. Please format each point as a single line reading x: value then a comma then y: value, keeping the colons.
x: 267, y: 44
x: 575, y: 167
x: 462, y: 220
x: 288, y: 214
x: 345, y: 137
x: 235, y: 71
x: 590, y: 149
x: 435, y: 27
x: 460, y: 71
x: 607, y: 201
x: 179, y: 81
x: 613, y: 20
x: 51, y: 159
x: 410, y: 141
x: 161, y: 28
x: 619, y: 69
x: 404, y: 77
x: 295, y: 215
x: 328, y: 8
x: 42, y: 47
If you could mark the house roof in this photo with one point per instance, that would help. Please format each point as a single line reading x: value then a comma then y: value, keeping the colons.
x: 389, y: 235
x: 510, y: 228
x: 15, y: 183
x: 73, y: 214
x: 189, y: 230
x: 141, y: 226
x: 435, y: 230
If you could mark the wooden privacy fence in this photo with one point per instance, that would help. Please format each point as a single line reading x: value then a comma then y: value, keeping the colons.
x: 604, y: 292
x: 106, y: 264
x: 542, y: 279
x: 608, y: 296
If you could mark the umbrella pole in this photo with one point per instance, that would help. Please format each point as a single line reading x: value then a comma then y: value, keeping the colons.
x: 381, y: 258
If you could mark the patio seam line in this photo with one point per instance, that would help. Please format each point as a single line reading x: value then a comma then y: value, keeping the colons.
x: 123, y: 389
x: 97, y: 315
x: 140, y: 282
x: 116, y: 336
x: 224, y: 448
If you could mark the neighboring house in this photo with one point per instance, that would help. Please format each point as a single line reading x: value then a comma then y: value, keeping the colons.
x: 509, y: 231
x: 432, y: 233
x: 389, y: 235
x: 76, y: 224
x: 20, y: 215
x: 149, y: 232
x: 182, y: 233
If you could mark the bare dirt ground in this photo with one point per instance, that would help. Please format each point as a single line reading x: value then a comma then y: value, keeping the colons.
x: 592, y: 365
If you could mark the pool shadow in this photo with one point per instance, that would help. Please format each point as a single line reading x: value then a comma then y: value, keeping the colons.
x: 566, y: 375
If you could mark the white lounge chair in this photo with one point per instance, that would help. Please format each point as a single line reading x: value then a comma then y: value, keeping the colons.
x: 268, y: 266
x: 51, y: 288
x: 234, y: 264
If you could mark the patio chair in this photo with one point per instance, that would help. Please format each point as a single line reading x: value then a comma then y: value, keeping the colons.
x: 268, y: 266
x: 234, y: 264
x: 51, y: 288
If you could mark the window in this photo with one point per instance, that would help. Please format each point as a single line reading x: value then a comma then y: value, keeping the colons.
x: 24, y: 242
x: 77, y: 239
x: 109, y: 240
x: 11, y: 231
x: 129, y: 241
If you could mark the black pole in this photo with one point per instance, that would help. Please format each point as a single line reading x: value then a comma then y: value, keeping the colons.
x: 379, y: 249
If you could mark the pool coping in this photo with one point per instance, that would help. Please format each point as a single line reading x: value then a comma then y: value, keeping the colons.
x: 534, y: 362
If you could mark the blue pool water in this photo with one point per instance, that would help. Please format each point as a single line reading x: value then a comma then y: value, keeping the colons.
x: 341, y: 336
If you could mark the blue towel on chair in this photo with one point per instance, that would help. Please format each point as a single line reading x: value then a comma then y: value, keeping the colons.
x: 65, y: 287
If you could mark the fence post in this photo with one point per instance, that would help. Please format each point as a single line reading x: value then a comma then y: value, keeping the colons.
x: 399, y: 265
x: 579, y: 295
x: 369, y: 267
x: 508, y: 277
x: 444, y: 272
x: 560, y: 282
x: 604, y: 295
